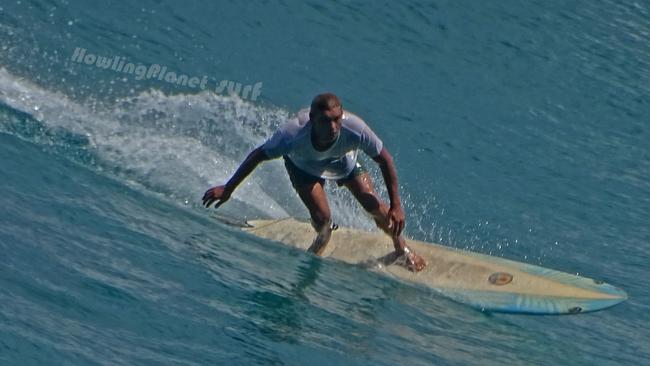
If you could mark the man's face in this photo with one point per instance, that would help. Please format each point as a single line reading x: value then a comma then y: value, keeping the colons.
x: 327, y: 124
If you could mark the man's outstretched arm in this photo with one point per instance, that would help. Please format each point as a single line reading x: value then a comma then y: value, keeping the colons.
x: 388, y: 171
x: 222, y: 193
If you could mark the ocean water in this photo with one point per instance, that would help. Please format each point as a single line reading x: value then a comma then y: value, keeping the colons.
x: 519, y: 129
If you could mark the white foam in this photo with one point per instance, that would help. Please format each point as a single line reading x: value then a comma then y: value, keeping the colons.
x: 178, y: 144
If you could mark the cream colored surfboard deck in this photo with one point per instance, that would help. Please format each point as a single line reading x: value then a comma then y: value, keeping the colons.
x: 485, y: 282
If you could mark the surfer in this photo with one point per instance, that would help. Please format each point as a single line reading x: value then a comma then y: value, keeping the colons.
x: 320, y: 144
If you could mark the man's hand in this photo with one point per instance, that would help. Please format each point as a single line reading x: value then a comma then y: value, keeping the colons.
x: 396, y: 220
x: 216, y: 193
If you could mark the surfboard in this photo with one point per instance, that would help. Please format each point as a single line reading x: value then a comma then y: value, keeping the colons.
x: 484, y: 282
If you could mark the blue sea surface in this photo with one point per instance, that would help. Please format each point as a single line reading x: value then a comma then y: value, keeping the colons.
x: 519, y: 129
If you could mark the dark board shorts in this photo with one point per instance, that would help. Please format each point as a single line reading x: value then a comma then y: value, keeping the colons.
x: 300, y: 178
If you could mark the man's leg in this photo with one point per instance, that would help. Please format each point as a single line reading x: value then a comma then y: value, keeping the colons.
x: 362, y: 189
x: 313, y: 196
x: 311, y: 192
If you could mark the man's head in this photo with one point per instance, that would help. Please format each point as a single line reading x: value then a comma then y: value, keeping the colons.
x: 325, y: 114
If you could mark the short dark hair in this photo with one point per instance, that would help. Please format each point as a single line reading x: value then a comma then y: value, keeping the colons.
x: 324, y: 102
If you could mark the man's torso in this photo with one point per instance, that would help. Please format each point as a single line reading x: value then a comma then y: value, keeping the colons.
x: 293, y: 139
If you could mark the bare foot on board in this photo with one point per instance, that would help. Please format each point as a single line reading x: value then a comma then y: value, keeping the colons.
x: 412, y: 261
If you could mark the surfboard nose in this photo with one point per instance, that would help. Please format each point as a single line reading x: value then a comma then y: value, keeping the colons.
x: 611, y: 290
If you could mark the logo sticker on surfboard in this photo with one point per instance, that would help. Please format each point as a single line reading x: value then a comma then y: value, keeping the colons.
x: 500, y: 278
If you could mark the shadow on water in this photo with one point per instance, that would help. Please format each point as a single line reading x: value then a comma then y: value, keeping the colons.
x: 279, y: 316
x: 269, y: 302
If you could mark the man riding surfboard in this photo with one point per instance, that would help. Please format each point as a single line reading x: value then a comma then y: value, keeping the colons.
x: 321, y: 144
